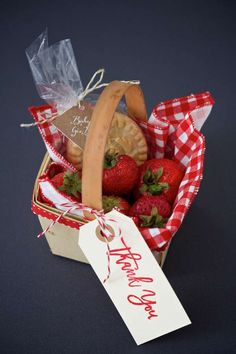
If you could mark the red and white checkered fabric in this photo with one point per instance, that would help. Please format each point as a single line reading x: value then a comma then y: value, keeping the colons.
x: 173, y: 131
x: 54, y: 140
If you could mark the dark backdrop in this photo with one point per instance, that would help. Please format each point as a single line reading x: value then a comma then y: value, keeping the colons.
x: 53, y: 305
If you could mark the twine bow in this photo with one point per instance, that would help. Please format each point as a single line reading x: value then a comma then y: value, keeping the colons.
x: 91, y: 86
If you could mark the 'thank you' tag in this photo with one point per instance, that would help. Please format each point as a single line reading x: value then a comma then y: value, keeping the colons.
x: 137, y: 285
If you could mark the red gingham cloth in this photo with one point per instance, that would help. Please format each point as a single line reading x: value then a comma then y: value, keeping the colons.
x: 54, y: 140
x: 173, y: 131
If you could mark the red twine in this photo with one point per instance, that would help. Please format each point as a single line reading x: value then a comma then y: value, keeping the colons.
x: 100, y: 216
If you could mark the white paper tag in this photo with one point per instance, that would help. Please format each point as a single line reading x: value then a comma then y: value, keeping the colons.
x: 137, y: 285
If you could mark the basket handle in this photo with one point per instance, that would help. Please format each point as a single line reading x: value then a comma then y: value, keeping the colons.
x: 100, y: 123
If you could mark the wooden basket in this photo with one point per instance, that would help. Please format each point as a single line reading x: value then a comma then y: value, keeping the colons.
x: 62, y: 239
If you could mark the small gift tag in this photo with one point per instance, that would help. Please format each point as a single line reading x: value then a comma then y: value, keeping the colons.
x: 74, y: 123
x: 137, y: 286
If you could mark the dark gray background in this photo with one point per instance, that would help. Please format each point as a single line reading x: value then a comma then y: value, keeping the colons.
x: 53, y: 305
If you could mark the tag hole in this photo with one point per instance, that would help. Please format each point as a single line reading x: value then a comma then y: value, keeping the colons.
x: 102, y: 237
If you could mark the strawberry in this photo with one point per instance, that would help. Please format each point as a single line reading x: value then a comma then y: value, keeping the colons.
x: 58, y: 180
x: 152, y: 211
x: 120, y: 174
x: 69, y: 183
x: 110, y: 202
x: 160, y: 176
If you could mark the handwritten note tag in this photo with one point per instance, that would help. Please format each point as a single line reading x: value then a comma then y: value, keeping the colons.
x: 74, y: 123
x: 137, y: 286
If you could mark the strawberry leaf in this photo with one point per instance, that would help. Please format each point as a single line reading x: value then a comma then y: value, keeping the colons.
x: 159, y: 173
x: 153, y: 220
x: 151, y: 182
x: 110, y: 160
x: 71, y: 184
x: 143, y: 188
x: 110, y: 202
x: 156, y: 189
x: 149, y: 177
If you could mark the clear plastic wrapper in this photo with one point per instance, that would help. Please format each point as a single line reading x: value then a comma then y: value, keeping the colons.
x: 55, y: 72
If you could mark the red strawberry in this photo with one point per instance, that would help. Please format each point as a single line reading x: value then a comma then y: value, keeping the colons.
x: 69, y: 183
x: 120, y: 174
x: 110, y: 202
x: 161, y: 176
x: 58, y: 180
x: 144, y: 205
x: 152, y: 211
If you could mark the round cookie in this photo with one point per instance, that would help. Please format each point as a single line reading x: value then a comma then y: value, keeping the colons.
x: 125, y: 138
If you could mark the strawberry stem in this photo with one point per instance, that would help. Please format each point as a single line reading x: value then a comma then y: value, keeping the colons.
x: 108, y: 203
x: 153, y: 220
x: 71, y: 184
x: 151, y: 182
x: 110, y: 160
